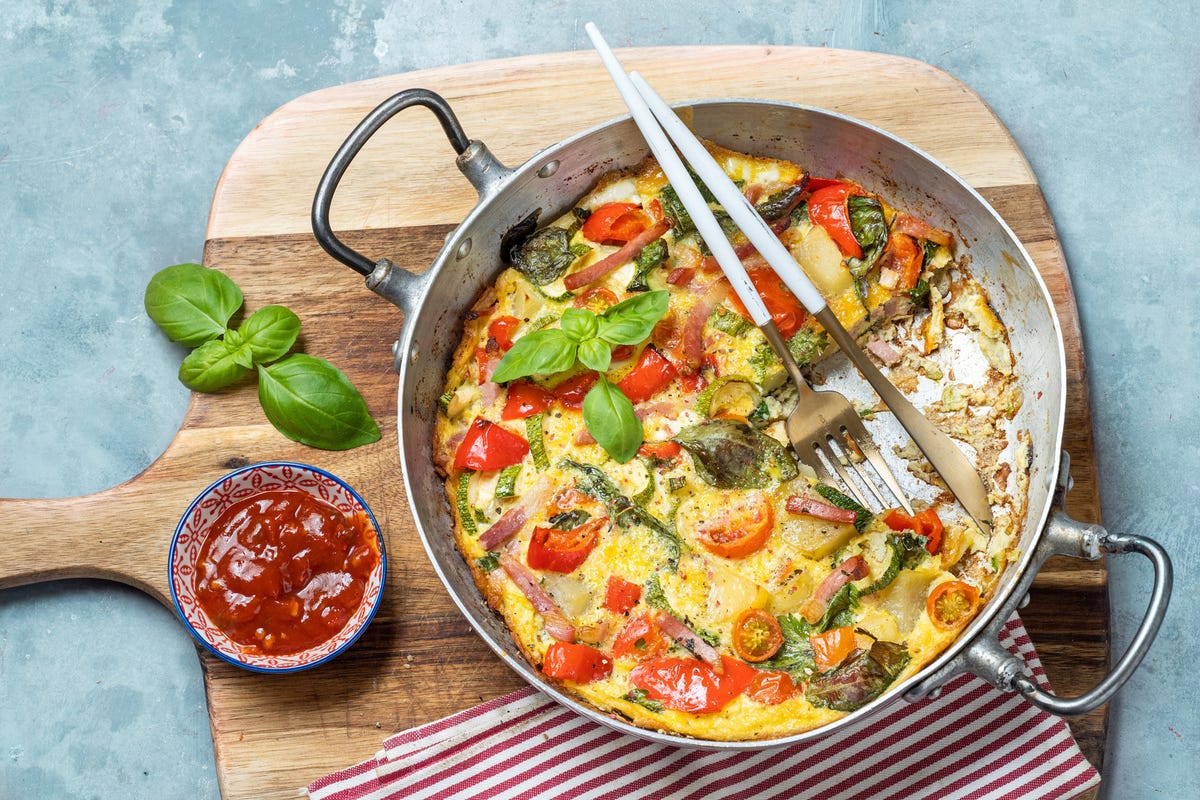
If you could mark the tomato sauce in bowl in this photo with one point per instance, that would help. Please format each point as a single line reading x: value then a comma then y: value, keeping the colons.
x: 282, y: 571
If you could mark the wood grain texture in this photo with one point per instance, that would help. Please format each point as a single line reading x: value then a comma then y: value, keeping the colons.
x: 420, y: 660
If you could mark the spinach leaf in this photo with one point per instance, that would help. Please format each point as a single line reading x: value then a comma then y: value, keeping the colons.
x: 920, y: 293
x: 731, y: 454
x: 609, y: 417
x: 544, y: 256
x: 651, y: 256
x: 594, y: 483
x: 681, y: 220
x: 569, y: 520
x: 211, y: 366
x: 869, y: 228
x: 269, y: 333
x: 632, y: 320
x: 311, y: 401
x: 795, y: 656
x: 191, y: 303
x: 840, y: 611
x: 781, y: 202
x: 541, y: 352
x: 858, y: 680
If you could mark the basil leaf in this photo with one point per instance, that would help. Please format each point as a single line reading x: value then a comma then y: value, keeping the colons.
x: 541, y: 352
x: 840, y: 611
x: 782, y: 202
x: 595, y: 354
x: 270, y: 332
x: 311, y: 401
x: 579, y: 324
x: 632, y: 320
x: 681, y: 220
x: 191, y: 303
x: 869, y: 228
x: 569, y: 520
x: 862, y: 517
x: 609, y: 417
x: 544, y: 256
x: 651, y: 256
x: 211, y: 366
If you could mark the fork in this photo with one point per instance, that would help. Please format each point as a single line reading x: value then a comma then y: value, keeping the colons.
x: 822, y: 421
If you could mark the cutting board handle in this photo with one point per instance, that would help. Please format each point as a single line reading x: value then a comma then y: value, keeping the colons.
x: 102, y: 535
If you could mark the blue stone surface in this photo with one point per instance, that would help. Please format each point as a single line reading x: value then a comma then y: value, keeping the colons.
x: 116, y: 119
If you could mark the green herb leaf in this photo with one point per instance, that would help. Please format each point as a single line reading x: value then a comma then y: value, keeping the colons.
x: 840, y: 611
x: 858, y: 680
x: 569, y: 520
x: 651, y: 256
x: 191, y: 303
x: 869, y: 228
x: 542, y: 352
x: 843, y: 501
x: 269, y: 333
x: 781, y: 202
x: 594, y: 483
x: 595, y: 354
x: 579, y: 324
x: 211, y: 366
x: 311, y: 401
x: 795, y: 656
x: 730, y: 454
x: 544, y: 256
x: 609, y: 417
x: 632, y: 320
x: 681, y: 221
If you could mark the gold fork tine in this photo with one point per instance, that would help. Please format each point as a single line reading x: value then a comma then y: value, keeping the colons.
x: 866, y: 445
x: 846, y: 481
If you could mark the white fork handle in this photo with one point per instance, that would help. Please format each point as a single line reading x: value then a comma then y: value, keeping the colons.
x: 677, y: 174
x: 733, y: 201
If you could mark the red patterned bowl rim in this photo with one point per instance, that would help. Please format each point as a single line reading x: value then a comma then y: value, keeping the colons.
x: 189, y: 537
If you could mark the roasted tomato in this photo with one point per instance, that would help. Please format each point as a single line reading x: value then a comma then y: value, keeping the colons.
x: 652, y: 374
x: 595, y: 299
x: 771, y: 687
x: 641, y: 638
x: 576, y: 662
x: 563, y: 551
x: 740, y: 528
x: 785, y: 309
x: 489, y: 446
x: 827, y: 208
x: 572, y: 391
x: 905, y: 257
x: 616, y: 223
x: 525, y: 399
x: 927, y: 524
x: 621, y: 595
x: 686, y: 684
x: 663, y: 451
x: 832, y: 646
x: 951, y: 604
x: 756, y: 635
x: 501, y: 330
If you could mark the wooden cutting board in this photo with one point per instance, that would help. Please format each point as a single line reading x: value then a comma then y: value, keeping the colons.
x: 420, y: 660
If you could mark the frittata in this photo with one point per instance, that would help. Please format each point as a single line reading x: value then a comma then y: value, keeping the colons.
x: 612, y: 441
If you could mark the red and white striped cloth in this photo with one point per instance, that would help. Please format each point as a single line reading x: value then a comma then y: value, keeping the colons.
x: 973, y: 742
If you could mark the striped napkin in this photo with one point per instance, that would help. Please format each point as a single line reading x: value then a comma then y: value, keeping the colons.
x: 974, y: 742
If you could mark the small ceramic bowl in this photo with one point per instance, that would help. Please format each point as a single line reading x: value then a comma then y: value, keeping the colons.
x: 193, y: 528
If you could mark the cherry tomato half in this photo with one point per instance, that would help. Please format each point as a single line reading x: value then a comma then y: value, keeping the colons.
x: 785, y: 309
x: 563, y: 551
x: 640, y: 638
x: 832, y: 646
x: 905, y: 257
x: 687, y: 684
x: 951, y: 604
x: 621, y: 595
x: 580, y: 663
x: 740, y: 528
x: 524, y: 400
x: 616, y: 223
x: 927, y: 524
x: 652, y: 374
x: 827, y: 208
x: 756, y: 635
x: 595, y: 299
x: 489, y: 446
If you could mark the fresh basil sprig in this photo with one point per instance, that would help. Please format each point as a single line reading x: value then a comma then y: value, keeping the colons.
x: 306, y: 398
x: 589, y: 338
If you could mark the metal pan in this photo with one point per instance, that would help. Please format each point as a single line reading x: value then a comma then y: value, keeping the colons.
x: 435, y: 300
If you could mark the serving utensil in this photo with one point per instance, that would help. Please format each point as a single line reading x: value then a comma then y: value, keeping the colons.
x: 824, y: 425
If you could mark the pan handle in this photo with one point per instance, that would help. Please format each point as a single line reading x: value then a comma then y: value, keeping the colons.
x: 475, y: 161
x: 1063, y: 536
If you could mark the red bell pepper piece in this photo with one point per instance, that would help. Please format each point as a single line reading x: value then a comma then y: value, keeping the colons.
x: 489, y: 446
x: 524, y: 400
x: 652, y: 374
x: 827, y: 208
